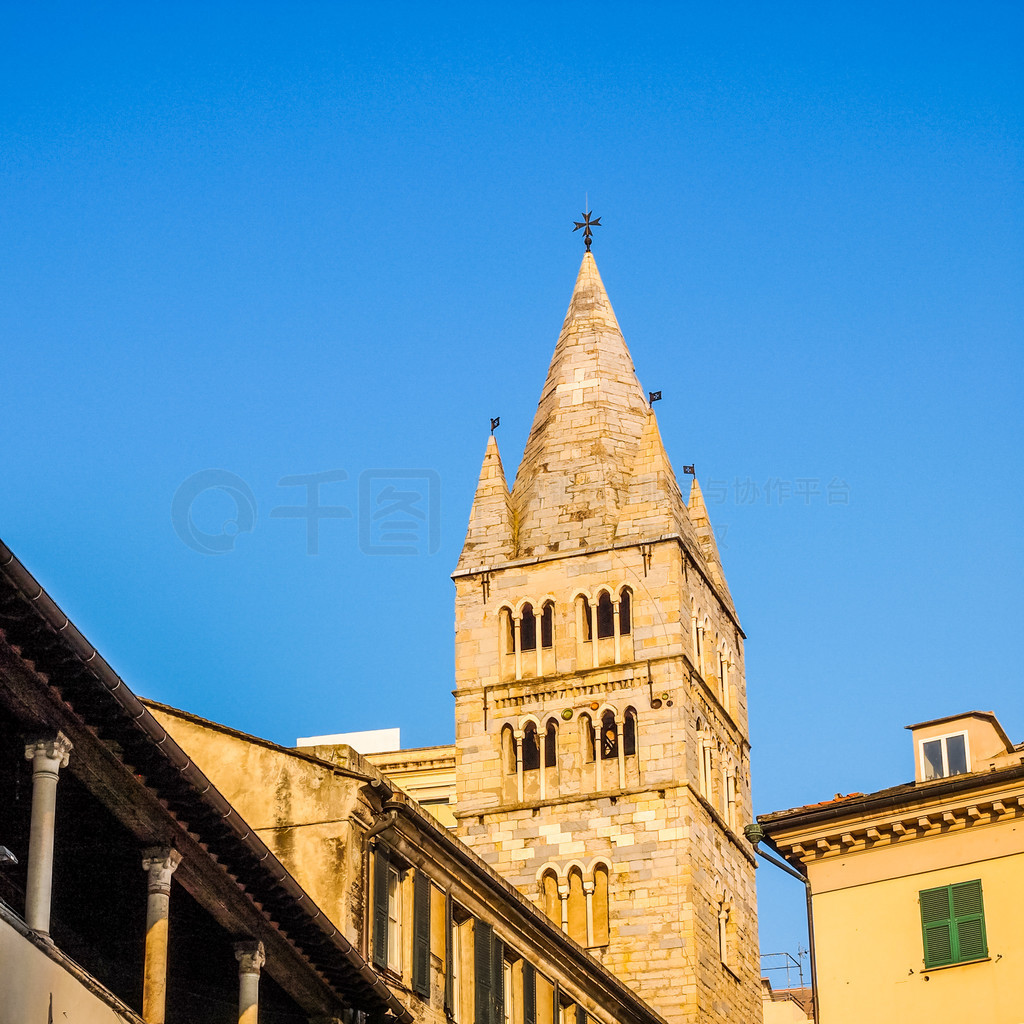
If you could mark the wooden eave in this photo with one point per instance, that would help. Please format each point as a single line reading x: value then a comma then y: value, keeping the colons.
x: 51, y: 677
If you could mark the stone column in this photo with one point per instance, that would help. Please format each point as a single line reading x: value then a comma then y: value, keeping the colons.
x: 621, y: 752
x: 48, y: 755
x: 517, y: 737
x: 538, y: 632
x: 251, y: 957
x: 616, y: 627
x: 159, y: 863
x: 563, y: 898
x: 517, y: 643
x: 542, y: 744
x: 595, y: 654
x: 588, y: 891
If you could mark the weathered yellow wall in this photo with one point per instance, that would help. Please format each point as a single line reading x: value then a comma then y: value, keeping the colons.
x: 39, y: 979
x: 299, y: 807
x: 870, y: 951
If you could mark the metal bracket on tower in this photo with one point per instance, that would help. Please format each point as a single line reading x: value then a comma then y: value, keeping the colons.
x: 485, y: 586
x: 647, y: 553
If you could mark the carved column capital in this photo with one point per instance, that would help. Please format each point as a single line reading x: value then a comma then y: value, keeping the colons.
x: 588, y: 887
x: 54, y: 747
x: 251, y: 956
x: 159, y: 863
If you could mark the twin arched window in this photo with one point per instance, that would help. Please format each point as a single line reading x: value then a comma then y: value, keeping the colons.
x: 577, y: 900
x: 606, y: 614
x: 602, y: 737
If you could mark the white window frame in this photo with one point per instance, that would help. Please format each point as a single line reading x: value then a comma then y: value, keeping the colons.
x: 945, y: 756
x: 394, y: 919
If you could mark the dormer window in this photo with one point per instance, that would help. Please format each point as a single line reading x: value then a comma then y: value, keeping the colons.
x: 944, y: 756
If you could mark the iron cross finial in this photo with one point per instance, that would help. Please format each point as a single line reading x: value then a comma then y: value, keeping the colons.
x: 587, y: 224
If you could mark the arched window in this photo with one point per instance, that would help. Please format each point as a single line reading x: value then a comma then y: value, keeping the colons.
x: 609, y: 736
x: 600, y: 908
x: 587, y: 737
x: 531, y: 748
x: 547, y: 625
x: 725, y: 932
x: 723, y: 675
x: 605, y: 615
x: 508, y: 634
x: 551, y: 743
x: 588, y: 622
x: 549, y: 894
x: 625, y: 611
x: 629, y: 733
x: 577, y: 907
x: 508, y: 749
x: 528, y: 629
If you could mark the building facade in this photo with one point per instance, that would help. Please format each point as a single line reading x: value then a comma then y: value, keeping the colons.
x: 602, y: 758
x: 130, y: 889
x: 918, y: 890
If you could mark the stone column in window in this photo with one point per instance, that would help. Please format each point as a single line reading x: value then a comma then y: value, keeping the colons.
x: 538, y: 633
x: 251, y: 957
x: 581, y: 632
x: 542, y: 750
x: 617, y: 631
x: 517, y: 643
x: 520, y: 787
x: 159, y: 863
x: 563, y: 897
x: 621, y: 751
x: 594, y: 659
x: 588, y: 892
x: 48, y: 755
x: 597, y: 751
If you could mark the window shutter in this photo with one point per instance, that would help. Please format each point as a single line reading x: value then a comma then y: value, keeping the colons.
x: 449, y: 953
x: 482, y: 974
x: 497, y: 981
x: 529, y: 994
x: 969, y: 920
x: 380, y: 907
x: 581, y: 1015
x: 421, y: 935
x: 556, y: 1005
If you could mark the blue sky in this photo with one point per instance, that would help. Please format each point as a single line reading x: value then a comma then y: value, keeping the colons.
x: 287, y: 239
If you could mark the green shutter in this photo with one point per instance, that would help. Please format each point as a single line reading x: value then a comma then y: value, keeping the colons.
x: 529, y: 994
x: 969, y: 920
x: 497, y: 981
x: 449, y: 953
x: 380, y: 907
x: 953, y: 924
x: 421, y: 935
x: 482, y: 936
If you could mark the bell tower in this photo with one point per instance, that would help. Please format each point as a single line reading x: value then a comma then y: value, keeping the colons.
x: 601, y: 718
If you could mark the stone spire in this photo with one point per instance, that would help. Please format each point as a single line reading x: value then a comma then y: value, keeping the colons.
x: 573, y: 478
x: 490, y: 537
x: 706, y: 538
x: 653, y: 504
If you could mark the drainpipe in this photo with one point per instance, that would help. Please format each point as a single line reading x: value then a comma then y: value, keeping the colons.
x: 756, y: 834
